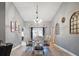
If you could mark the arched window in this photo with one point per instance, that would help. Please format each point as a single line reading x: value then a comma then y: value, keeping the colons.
x: 57, y: 28
x: 74, y: 23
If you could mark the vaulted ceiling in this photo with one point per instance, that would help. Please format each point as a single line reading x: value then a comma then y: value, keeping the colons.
x: 46, y: 10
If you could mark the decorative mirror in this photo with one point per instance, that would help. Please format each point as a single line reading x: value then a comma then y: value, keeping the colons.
x: 63, y: 19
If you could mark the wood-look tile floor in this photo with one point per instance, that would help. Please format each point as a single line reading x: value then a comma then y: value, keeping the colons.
x: 48, y: 51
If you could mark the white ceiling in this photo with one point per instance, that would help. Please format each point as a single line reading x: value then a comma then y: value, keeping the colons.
x: 46, y: 10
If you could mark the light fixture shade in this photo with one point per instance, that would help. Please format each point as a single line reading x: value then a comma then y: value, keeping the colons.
x: 40, y: 21
x: 37, y: 20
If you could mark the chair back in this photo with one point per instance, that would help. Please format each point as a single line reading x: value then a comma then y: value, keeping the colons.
x: 2, y: 50
x: 8, y: 49
x: 5, y: 49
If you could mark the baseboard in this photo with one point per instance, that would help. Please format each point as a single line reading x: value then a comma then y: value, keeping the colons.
x: 72, y: 54
x: 16, y: 47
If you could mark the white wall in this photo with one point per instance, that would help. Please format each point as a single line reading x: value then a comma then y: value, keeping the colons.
x: 12, y: 15
x: 2, y: 21
x: 65, y: 39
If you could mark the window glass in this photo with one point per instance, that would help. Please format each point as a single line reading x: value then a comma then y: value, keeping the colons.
x: 37, y: 32
x: 74, y: 23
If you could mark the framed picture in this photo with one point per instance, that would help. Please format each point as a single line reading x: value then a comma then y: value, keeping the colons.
x: 12, y: 26
x: 16, y: 26
x: 19, y: 28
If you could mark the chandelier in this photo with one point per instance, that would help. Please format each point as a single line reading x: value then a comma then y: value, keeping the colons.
x: 37, y: 20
